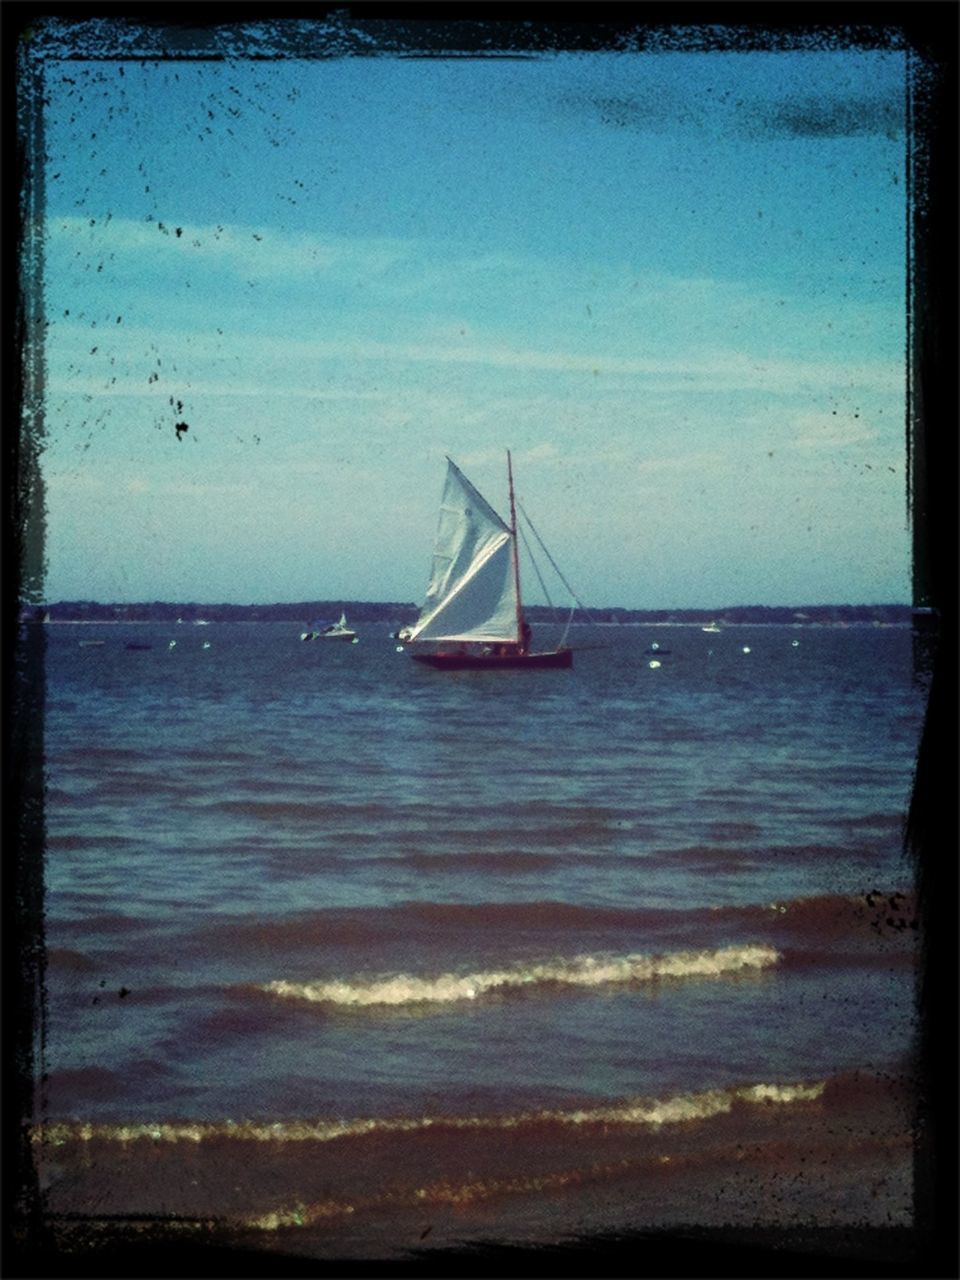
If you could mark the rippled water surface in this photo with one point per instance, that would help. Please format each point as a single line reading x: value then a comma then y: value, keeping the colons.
x: 296, y: 882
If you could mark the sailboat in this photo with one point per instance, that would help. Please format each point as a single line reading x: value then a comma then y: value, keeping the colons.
x: 473, y: 611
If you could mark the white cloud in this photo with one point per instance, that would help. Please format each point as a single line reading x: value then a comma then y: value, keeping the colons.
x: 830, y: 431
x: 211, y: 363
x: 246, y: 250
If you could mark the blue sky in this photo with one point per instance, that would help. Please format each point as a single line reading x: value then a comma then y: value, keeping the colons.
x: 673, y: 284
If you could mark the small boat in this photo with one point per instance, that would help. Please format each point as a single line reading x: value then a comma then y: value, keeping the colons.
x: 337, y: 630
x: 92, y: 644
x: 712, y: 629
x: 473, y: 611
x: 330, y: 631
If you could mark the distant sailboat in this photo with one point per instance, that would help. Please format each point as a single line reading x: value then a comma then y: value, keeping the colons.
x: 473, y: 610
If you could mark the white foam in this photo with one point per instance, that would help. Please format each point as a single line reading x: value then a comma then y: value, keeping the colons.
x: 579, y: 971
x: 648, y: 1112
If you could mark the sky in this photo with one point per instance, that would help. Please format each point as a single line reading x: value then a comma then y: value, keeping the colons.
x: 673, y: 284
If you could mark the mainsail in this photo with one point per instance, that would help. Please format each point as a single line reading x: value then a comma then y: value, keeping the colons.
x: 472, y: 594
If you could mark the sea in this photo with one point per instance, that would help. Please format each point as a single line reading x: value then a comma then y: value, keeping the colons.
x: 346, y: 953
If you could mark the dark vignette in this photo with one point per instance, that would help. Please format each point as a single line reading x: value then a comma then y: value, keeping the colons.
x: 171, y: 29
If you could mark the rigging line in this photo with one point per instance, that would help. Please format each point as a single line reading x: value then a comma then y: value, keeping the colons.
x: 554, y: 563
x: 562, y: 642
x: 543, y: 586
x: 536, y: 569
x: 566, y: 629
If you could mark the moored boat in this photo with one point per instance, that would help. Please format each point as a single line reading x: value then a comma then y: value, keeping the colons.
x: 337, y: 630
x: 330, y: 631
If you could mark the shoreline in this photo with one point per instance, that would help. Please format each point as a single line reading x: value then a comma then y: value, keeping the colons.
x: 838, y: 1164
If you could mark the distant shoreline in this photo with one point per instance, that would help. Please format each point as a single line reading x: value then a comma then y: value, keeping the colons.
x: 392, y: 612
x: 279, y: 622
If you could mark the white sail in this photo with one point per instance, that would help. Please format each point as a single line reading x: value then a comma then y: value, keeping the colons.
x: 472, y: 591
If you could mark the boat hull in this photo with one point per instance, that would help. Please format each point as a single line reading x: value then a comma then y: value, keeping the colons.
x: 557, y: 659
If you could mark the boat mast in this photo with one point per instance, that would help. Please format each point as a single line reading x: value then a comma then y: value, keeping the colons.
x: 516, y: 552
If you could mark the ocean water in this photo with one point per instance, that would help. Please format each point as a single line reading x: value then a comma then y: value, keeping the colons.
x: 319, y: 897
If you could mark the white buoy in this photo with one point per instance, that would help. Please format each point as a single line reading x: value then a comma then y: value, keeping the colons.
x: 654, y: 664
x: 746, y: 648
x: 795, y: 643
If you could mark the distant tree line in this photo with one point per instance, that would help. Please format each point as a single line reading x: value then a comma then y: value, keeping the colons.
x: 360, y: 611
x: 306, y: 612
x: 759, y: 613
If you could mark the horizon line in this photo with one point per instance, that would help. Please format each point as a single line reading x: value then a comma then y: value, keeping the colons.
x: 287, y: 604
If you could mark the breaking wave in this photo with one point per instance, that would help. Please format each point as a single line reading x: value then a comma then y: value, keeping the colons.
x: 580, y: 971
x: 644, y: 1112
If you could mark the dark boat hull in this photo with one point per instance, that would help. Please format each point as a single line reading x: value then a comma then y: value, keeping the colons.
x: 558, y: 658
